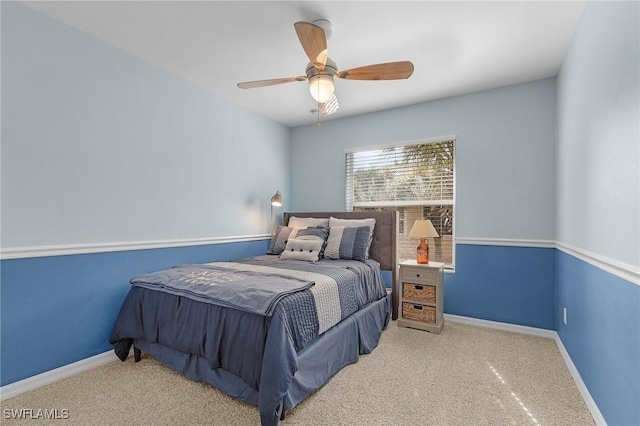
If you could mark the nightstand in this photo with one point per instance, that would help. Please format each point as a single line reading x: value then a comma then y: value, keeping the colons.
x: 421, y: 296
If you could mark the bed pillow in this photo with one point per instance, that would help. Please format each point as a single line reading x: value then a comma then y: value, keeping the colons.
x: 317, y: 231
x: 303, y: 248
x: 280, y: 237
x: 347, y: 242
x: 308, y: 222
x: 371, y: 223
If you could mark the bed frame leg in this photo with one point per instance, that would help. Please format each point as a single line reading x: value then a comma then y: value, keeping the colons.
x: 137, y: 354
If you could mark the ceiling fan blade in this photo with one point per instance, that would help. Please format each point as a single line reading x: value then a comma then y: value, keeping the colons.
x: 272, y: 82
x: 330, y: 106
x: 386, y: 71
x: 314, y: 43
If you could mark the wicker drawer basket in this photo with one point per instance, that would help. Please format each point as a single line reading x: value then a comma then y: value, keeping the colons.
x: 419, y: 313
x: 419, y: 293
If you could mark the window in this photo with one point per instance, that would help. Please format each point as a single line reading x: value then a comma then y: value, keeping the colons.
x: 418, y: 180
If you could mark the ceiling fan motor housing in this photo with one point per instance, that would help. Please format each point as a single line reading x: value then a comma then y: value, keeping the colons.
x: 330, y: 69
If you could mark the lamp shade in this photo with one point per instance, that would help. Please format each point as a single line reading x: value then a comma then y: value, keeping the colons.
x: 321, y: 87
x: 276, y: 200
x: 423, y: 229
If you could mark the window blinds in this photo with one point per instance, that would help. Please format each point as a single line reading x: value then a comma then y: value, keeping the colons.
x: 407, y: 175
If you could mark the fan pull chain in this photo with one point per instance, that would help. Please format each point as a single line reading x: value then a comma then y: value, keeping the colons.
x: 318, y: 124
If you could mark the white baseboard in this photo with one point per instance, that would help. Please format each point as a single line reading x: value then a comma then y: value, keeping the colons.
x: 540, y: 332
x: 51, y: 376
x: 523, y: 329
x: 591, y: 404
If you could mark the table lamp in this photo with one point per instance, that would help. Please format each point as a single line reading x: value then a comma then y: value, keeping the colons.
x: 423, y: 229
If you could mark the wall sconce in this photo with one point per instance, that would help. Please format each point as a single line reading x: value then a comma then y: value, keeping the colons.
x: 276, y: 201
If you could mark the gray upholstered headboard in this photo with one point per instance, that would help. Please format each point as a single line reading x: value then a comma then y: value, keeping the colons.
x: 383, y: 247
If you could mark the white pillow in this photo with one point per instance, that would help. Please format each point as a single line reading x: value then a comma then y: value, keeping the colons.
x: 308, y: 222
x: 371, y: 223
x: 303, y: 248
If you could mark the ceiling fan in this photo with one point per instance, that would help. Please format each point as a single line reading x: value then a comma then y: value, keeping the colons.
x: 322, y: 71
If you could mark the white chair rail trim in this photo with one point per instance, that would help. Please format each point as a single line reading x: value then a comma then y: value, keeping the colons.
x: 505, y: 242
x: 622, y: 270
x: 70, y: 249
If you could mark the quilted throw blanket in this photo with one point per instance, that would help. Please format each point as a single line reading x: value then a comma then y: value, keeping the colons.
x: 340, y: 288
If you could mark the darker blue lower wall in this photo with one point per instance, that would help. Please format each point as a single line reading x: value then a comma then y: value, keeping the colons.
x: 60, y: 309
x: 515, y: 285
x: 602, y: 335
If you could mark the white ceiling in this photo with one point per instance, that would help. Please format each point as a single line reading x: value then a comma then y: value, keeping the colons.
x: 456, y: 47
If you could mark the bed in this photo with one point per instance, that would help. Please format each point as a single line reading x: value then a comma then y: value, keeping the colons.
x: 273, y: 329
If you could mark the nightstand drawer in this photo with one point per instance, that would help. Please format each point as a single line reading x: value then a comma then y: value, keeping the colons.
x: 419, y: 275
x: 420, y: 313
x: 419, y: 293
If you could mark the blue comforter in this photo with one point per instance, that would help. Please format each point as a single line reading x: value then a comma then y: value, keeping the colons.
x: 249, y: 349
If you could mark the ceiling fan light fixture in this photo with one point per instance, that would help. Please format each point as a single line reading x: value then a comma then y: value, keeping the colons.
x: 321, y: 87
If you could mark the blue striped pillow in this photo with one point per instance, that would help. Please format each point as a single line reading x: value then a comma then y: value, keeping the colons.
x: 347, y: 242
x: 279, y: 239
x: 370, y: 222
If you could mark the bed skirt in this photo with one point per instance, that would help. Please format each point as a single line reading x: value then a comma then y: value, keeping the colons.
x: 338, y: 347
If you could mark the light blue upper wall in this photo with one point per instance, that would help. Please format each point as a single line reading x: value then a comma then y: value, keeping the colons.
x: 100, y: 146
x: 505, y: 153
x: 599, y: 205
x: 598, y: 134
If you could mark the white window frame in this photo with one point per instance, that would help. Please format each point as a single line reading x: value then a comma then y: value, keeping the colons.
x: 349, y: 186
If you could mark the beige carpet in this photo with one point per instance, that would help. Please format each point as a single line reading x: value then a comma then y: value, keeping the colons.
x: 465, y: 376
